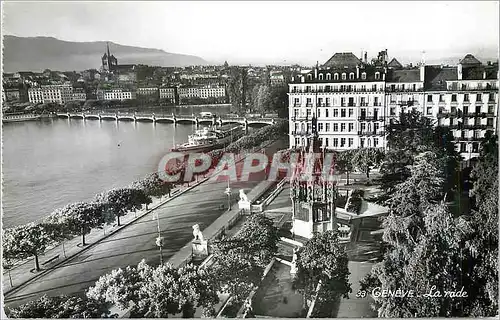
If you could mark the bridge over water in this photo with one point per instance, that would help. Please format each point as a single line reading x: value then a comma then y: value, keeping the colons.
x: 169, y: 118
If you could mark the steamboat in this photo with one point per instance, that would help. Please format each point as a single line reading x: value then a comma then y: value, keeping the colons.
x: 211, y: 138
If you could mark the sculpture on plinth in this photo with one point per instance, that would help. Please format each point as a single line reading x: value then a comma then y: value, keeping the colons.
x: 199, y: 245
x: 198, y: 236
x: 244, y: 203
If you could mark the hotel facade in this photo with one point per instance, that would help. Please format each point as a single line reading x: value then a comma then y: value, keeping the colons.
x: 354, y: 101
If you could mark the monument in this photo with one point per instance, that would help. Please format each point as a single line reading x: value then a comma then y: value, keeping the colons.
x: 244, y: 203
x: 199, y: 245
x: 312, y: 193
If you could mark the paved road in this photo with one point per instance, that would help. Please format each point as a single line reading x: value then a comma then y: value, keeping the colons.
x: 137, y: 241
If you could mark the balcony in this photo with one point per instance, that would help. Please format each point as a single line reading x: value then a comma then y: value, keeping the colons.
x: 301, y: 118
x: 371, y: 133
x: 301, y: 133
x: 363, y: 104
x: 387, y: 89
x: 371, y: 118
x: 487, y: 88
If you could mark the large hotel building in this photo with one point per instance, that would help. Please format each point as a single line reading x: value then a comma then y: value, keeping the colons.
x: 354, y: 100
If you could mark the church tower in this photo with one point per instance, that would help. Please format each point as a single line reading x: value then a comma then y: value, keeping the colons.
x: 313, y: 193
x: 108, y: 60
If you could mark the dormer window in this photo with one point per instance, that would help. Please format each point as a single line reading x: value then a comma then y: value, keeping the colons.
x: 309, y: 77
x: 328, y: 76
x: 336, y: 76
x: 363, y: 76
x: 351, y: 76
x: 377, y: 75
x: 344, y: 76
x: 320, y: 76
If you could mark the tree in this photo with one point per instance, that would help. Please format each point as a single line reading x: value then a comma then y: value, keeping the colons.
x: 157, y: 292
x: 26, y: 240
x: 61, y: 307
x: 366, y: 158
x: 279, y: 100
x: 260, y: 237
x: 482, y: 240
x: 235, y: 269
x: 263, y: 98
x: 152, y: 186
x: 434, y: 265
x: 323, y: 259
x: 120, y: 201
x: 79, y: 218
x: 424, y: 187
x: 343, y: 162
x: 395, y: 168
x: 240, y: 260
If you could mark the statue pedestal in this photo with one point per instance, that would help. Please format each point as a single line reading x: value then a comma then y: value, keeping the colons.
x: 244, y: 205
x: 200, y: 250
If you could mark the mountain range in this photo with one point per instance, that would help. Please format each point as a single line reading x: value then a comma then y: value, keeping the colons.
x: 40, y: 53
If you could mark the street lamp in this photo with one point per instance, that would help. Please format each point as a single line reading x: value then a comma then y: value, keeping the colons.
x: 160, y: 239
x: 228, y: 192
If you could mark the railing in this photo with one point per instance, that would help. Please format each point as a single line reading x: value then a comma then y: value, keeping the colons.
x: 371, y: 133
x: 487, y: 88
x: 388, y: 89
x: 300, y: 133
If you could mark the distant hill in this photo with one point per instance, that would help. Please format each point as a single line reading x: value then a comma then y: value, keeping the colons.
x: 40, y: 53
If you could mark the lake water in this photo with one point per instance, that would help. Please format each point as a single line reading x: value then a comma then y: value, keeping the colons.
x: 48, y: 164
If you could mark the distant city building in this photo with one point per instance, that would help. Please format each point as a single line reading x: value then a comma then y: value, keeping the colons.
x: 167, y: 93
x: 51, y: 93
x: 276, y: 78
x: 188, y: 92
x: 354, y: 100
x: 12, y: 94
x: 212, y: 92
x: 147, y: 91
x: 79, y: 94
x: 118, y: 94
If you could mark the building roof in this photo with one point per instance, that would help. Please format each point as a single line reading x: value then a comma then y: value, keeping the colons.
x: 342, y: 59
x: 469, y: 59
x: 394, y: 64
x: 436, y: 77
x: 480, y: 73
x: 412, y: 75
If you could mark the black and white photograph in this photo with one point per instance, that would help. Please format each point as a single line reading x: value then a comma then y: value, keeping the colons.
x: 249, y: 159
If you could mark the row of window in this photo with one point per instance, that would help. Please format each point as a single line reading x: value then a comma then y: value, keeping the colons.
x: 344, y: 142
x: 326, y: 127
x: 465, y: 97
x: 344, y: 113
x: 343, y: 76
x: 343, y: 101
x: 338, y: 88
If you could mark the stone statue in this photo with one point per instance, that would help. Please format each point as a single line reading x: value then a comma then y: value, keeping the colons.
x: 243, y: 196
x: 198, y: 236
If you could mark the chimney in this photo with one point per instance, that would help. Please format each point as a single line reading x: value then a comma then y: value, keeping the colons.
x: 459, y: 71
x: 366, y: 57
x: 422, y: 72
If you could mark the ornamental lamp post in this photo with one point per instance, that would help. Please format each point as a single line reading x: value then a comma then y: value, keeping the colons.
x: 228, y: 192
x: 159, y: 240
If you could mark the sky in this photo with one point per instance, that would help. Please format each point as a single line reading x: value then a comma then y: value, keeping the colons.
x: 279, y: 32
